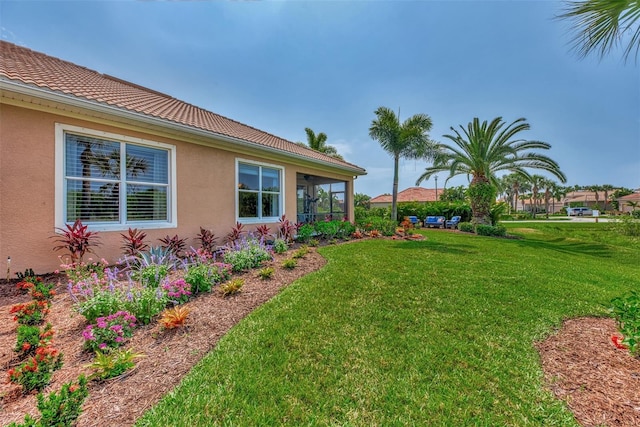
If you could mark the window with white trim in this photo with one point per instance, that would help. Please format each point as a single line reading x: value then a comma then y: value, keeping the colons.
x: 259, y: 192
x: 113, y: 181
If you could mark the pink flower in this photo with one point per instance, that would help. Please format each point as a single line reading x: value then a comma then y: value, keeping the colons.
x: 102, y: 346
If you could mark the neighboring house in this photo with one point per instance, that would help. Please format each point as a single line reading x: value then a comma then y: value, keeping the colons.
x: 411, y: 194
x: 623, y: 202
x: 77, y: 144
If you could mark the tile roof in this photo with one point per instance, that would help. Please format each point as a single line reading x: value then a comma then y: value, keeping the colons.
x: 25, y: 66
x: 411, y: 194
x: 630, y: 197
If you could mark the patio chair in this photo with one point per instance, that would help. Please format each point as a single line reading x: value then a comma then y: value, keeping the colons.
x: 453, y: 222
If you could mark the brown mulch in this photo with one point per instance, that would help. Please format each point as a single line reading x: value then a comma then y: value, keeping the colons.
x: 599, y: 382
x: 169, y: 354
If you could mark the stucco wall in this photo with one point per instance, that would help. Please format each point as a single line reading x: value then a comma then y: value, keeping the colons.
x: 205, y: 188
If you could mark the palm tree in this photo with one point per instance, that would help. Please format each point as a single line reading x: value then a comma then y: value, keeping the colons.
x: 409, y: 140
x: 601, y: 25
x: 484, y: 149
x: 319, y: 143
x: 606, y: 188
x: 596, y: 193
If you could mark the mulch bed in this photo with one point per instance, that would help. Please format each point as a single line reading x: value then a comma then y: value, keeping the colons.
x: 599, y: 382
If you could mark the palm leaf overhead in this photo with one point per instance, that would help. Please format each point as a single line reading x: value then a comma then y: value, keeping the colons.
x: 602, y: 25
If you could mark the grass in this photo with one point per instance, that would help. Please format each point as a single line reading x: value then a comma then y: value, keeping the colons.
x: 438, y: 332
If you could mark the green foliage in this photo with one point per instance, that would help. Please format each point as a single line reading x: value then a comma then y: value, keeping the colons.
x: 30, y: 338
x: 112, y: 364
x: 109, y: 332
x: 152, y: 275
x: 626, y: 225
x: 384, y: 226
x: 246, y: 254
x: 266, y: 273
x: 301, y: 252
x: 497, y: 211
x: 28, y: 274
x: 280, y: 246
x: 59, y: 409
x: 289, y: 263
x: 103, y: 303
x: 231, y: 287
x: 491, y: 230
x: 314, y: 242
x: 467, y: 227
x: 145, y: 303
x: 327, y: 229
x: 305, y: 232
x: 454, y: 194
x: 626, y: 310
x: 200, y: 277
x: 482, y: 196
x: 35, y: 372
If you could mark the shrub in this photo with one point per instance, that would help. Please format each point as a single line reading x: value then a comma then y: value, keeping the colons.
x: 626, y: 310
x: 145, y: 303
x: 246, y: 254
x: 263, y: 231
x: 467, y: 227
x: 35, y: 373
x: 200, y: 277
x: 289, y: 264
x: 235, y: 233
x: 385, y: 227
x: 266, y: 273
x: 177, y: 291
x: 314, y: 242
x: 133, y: 242
x: 327, y: 229
x: 286, y: 229
x: 109, y: 332
x: 626, y: 225
x: 207, y: 240
x: 231, y: 287
x: 112, y: 364
x: 491, y: 230
x: 152, y: 275
x: 30, y: 338
x: 174, y: 244
x: 300, y: 253
x: 305, y: 232
x: 99, y: 304
x: 27, y: 276
x: 30, y: 313
x: 345, y: 229
x: 174, y: 317
x: 280, y: 246
x: 77, y: 239
x: 38, y: 289
x: 59, y: 409
x: 94, y: 272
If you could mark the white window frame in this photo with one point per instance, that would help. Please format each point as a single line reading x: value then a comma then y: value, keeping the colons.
x: 259, y: 219
x: 123, y: 224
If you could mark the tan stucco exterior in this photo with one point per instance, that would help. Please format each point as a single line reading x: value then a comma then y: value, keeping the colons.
x: 205, y: 180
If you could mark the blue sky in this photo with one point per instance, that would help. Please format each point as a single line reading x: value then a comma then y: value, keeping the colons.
x: 283, y: 66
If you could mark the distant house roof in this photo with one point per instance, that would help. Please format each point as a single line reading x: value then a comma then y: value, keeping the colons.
x: 629, y: 197
x: 585, y: 196
x: 22, y: 67
x: 411, y: 194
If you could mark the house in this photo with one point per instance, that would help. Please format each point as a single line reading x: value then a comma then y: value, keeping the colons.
x: 411, y: 194
x: 629, y: 203
x: 77, y: 144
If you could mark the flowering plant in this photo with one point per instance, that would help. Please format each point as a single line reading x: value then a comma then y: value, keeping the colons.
x: 618, y: 342
x: 178, y: 291
x: 38, y: 289
x: 109, y: 332
x: 30, y: 338
x: 90, y: 271
x: 35, y: 373
x: 30, y: 313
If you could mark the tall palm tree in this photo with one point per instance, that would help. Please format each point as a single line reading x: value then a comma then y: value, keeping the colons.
x: 606, y: 188
x: 537, y: 182
x: 601, y: 25
x: 319, y: 143
x: 482, y: 150
x: 409, y: 139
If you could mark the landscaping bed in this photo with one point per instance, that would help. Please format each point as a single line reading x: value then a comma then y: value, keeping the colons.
x: 169, y: 354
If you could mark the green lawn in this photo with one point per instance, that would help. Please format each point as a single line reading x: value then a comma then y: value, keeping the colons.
x: 439, y: 332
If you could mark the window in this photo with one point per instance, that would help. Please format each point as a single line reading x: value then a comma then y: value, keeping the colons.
x: 112, y: 181
x: 259, y: 187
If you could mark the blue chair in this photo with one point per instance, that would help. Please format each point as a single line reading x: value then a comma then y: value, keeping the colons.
x: 453, y: 222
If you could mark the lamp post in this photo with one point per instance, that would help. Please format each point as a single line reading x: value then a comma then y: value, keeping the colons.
x: 436, y: 177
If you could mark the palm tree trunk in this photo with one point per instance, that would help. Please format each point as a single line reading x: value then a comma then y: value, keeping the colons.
x: 394, y: 195
x: 482, y: 195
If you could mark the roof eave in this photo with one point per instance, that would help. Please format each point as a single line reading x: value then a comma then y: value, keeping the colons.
x: 74, y: 101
